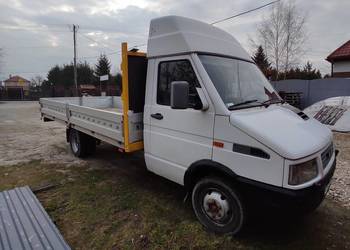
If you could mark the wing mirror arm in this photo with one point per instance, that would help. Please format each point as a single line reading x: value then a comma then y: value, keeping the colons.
x: 179, y: 96
x: 205, y: 104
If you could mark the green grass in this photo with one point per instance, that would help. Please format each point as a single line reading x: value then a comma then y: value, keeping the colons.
x: 105, y: 208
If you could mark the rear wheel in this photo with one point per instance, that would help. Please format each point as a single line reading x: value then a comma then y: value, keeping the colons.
x: 81, y: 144
x: 91, y: 141
x: 218, y: 206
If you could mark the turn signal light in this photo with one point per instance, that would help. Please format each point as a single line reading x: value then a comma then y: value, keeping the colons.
x: 218, y: 144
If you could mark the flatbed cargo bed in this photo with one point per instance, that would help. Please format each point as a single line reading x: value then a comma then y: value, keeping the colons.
x: 99, y: 116
x: 117, y: 120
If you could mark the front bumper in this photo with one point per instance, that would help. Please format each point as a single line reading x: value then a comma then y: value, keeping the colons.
x: 305, y: 199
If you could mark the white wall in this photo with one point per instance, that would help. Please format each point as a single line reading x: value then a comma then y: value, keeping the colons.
x: 341, y: 66
x: 24, y: 85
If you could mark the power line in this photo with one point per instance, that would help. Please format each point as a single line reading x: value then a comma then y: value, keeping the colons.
x: 218, y: 21
x: 139, y: 45
x: 24, y: 28
x: 34, y: 47
x: 215, y: 22
x: 95, y: 41
x: 28, y: 28
x: 115, y: 52
x: 245, y: 12
x: 105, y: 43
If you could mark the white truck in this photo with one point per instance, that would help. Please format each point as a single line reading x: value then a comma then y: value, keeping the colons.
x: 208, y: 119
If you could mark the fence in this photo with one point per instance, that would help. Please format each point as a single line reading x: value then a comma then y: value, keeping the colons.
x: 60, y: 91
x: 316, y: 90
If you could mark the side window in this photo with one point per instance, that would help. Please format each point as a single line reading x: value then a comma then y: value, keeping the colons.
x: 181, y: 70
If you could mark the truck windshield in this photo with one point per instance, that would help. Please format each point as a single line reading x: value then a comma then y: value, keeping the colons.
x: 240, y: 84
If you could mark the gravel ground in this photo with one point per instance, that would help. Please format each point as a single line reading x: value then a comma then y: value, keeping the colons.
x: 24, y: 137
x: 340, y: 187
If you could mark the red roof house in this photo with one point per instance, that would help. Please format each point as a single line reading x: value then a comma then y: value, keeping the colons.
x: 340, y: 60
x: 17, y: 87
x: 17, y: 82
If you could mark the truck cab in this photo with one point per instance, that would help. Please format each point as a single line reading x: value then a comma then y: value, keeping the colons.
x: 213, y: 123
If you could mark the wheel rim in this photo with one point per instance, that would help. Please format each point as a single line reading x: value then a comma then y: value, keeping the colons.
x: 217, y: 207
x: 75, y: 142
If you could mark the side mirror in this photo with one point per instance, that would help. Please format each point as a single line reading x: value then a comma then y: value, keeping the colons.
x: 179, y: 95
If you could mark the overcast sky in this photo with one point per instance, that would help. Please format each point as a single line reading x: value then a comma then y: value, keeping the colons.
x: 36, y: 34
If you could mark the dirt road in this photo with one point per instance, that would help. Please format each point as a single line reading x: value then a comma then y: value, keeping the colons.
x: 111, y: 201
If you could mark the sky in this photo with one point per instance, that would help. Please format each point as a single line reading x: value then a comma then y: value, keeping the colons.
x: 36, y: 35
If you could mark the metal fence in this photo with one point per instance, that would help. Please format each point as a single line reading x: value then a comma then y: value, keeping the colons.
x: 316, y: 90
x: 6, y: 95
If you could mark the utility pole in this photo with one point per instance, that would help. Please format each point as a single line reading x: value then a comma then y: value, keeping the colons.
x: 75, y: 28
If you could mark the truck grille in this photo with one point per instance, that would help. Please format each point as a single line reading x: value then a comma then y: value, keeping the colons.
x: 327, y: 155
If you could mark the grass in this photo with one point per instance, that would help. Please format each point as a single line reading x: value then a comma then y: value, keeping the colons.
x: 105, y: 208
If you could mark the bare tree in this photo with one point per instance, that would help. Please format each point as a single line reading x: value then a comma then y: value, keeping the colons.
x: 295, y: 37
x: 36, y: 81
x: 282, y: 34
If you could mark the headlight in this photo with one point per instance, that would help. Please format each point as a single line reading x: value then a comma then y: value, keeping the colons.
x: 303, y: 172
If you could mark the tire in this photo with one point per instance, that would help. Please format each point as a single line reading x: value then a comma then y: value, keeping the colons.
x: 218, y: 206
x: 91, y: 142
x: 81, y: 144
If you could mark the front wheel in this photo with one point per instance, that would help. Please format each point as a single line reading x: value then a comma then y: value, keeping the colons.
x: 218, y: 206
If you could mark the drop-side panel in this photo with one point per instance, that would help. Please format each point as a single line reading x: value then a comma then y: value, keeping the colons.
x: 54, y: 110
x: 101, y: 117
x: 98, y: 121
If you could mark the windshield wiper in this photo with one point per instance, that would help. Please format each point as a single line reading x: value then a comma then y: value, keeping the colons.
x: 272, y: 101
x: 265, y: 103
x: 241, y: 103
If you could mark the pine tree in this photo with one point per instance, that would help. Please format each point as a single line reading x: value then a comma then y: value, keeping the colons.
x: 308, y: 72
x: 85, y: 73
x: 262, y: 61
x: 311, y: 73
x: 103, y: 66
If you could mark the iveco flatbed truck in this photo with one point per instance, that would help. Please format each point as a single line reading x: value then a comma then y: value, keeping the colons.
x: 206, y: 118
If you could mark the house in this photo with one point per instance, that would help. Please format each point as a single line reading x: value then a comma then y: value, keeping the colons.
x: 2, y: 91
x: 16, y: 87
x: 340, y: 60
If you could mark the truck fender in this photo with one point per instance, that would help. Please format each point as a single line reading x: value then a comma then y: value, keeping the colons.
x: 203, y: 168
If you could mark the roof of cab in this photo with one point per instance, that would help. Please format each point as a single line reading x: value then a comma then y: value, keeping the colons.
x: 171, y: 35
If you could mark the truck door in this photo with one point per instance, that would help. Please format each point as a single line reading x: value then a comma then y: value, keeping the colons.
x: 178, y: 138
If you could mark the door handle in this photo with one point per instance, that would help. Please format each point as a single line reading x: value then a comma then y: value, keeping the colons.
x: 157, y: 116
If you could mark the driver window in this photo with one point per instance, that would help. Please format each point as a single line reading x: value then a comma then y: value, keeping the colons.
x: 179, y: 70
